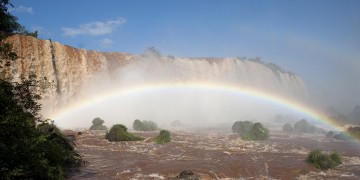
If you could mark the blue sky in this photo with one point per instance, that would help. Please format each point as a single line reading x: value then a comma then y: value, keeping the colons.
x: 319, y: 40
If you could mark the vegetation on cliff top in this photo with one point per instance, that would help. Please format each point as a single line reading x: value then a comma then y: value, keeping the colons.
x: 118, y: 132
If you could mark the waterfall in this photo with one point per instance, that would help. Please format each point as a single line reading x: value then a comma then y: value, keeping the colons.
x: 73, y: 70
x: 53, y: 61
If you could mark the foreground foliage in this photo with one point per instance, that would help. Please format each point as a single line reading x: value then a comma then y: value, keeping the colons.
x: 250, y: 131
x: 118, y: 132
x: 144, y: 125
x: 163, y: 137
x: 97, y: 124
x: 27, y: 151
x: 323, y: 161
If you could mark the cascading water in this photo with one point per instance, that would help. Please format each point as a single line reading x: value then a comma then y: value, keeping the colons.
x: 79, y: 74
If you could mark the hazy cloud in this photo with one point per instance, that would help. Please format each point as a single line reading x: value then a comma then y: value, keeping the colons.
x: 106, y: 42
x: 24, y: 9
x: 94, y: 28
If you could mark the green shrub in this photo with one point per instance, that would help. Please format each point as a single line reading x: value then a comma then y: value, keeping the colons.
x: 257, y: 132
x: 287, y: 128
x: 138, y: 125
x: 242, y: 127
x: 303, y: 126
x: 163, y: 137
x: 323, y: 161
x: 330, y: 134
x: 28, y: 151
x: 144, y: 125
x: 118, y: 132
x: 97, y: 124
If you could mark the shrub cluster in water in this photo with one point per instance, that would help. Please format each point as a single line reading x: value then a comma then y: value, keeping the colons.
x: 323, y: 161
x: 118, y: 132
x: 302, y: 126
x: 144, y: 125
x: 250, y: 131
x: 163, y: 137
x: 345, y: 136
x: 97, y: 124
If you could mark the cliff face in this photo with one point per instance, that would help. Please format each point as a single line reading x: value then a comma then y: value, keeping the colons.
x: 65, y: 67
x: 238, y: 71
x: 69, y: 69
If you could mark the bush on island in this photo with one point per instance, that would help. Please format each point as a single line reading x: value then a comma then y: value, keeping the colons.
x: 242, y: 127
x: 250, y: 131
x: 303, y: 126
x: 343, y: 136
x: 287, y: 128
x: 144, y: 125
x: 257, y: 132
x: 323, y: 161
x: 330, y: 134
x: 118, y: 132
x: 97, y: 124
x: 163, y: 137
x: 351, y: 132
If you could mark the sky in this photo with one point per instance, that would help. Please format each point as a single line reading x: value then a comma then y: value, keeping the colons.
x: 318, y: 40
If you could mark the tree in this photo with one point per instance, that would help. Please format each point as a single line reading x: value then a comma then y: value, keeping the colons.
x: 144, y: 125
x: 257, y: 132
x: 242, y: 127
x: 9, y: 26
x: 138, y: 125
x: 97, y: 124
x: 287, y: 128
x: 163, y: 137
x: 27, y: 151
x: 303, y: 126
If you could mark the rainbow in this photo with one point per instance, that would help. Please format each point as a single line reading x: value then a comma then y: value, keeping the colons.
x: 200, y: 86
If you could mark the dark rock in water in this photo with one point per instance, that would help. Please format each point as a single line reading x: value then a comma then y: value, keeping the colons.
x: 188, y: 175
x: 342, y: 136
x: 330, y: 134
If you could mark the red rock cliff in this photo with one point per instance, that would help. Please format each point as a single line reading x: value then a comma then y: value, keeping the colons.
x: 67, y: 68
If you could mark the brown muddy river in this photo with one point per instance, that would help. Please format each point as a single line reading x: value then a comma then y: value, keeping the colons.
x: 212, y: 154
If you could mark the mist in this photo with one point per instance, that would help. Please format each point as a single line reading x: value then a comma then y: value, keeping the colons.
x: 192, y: 107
